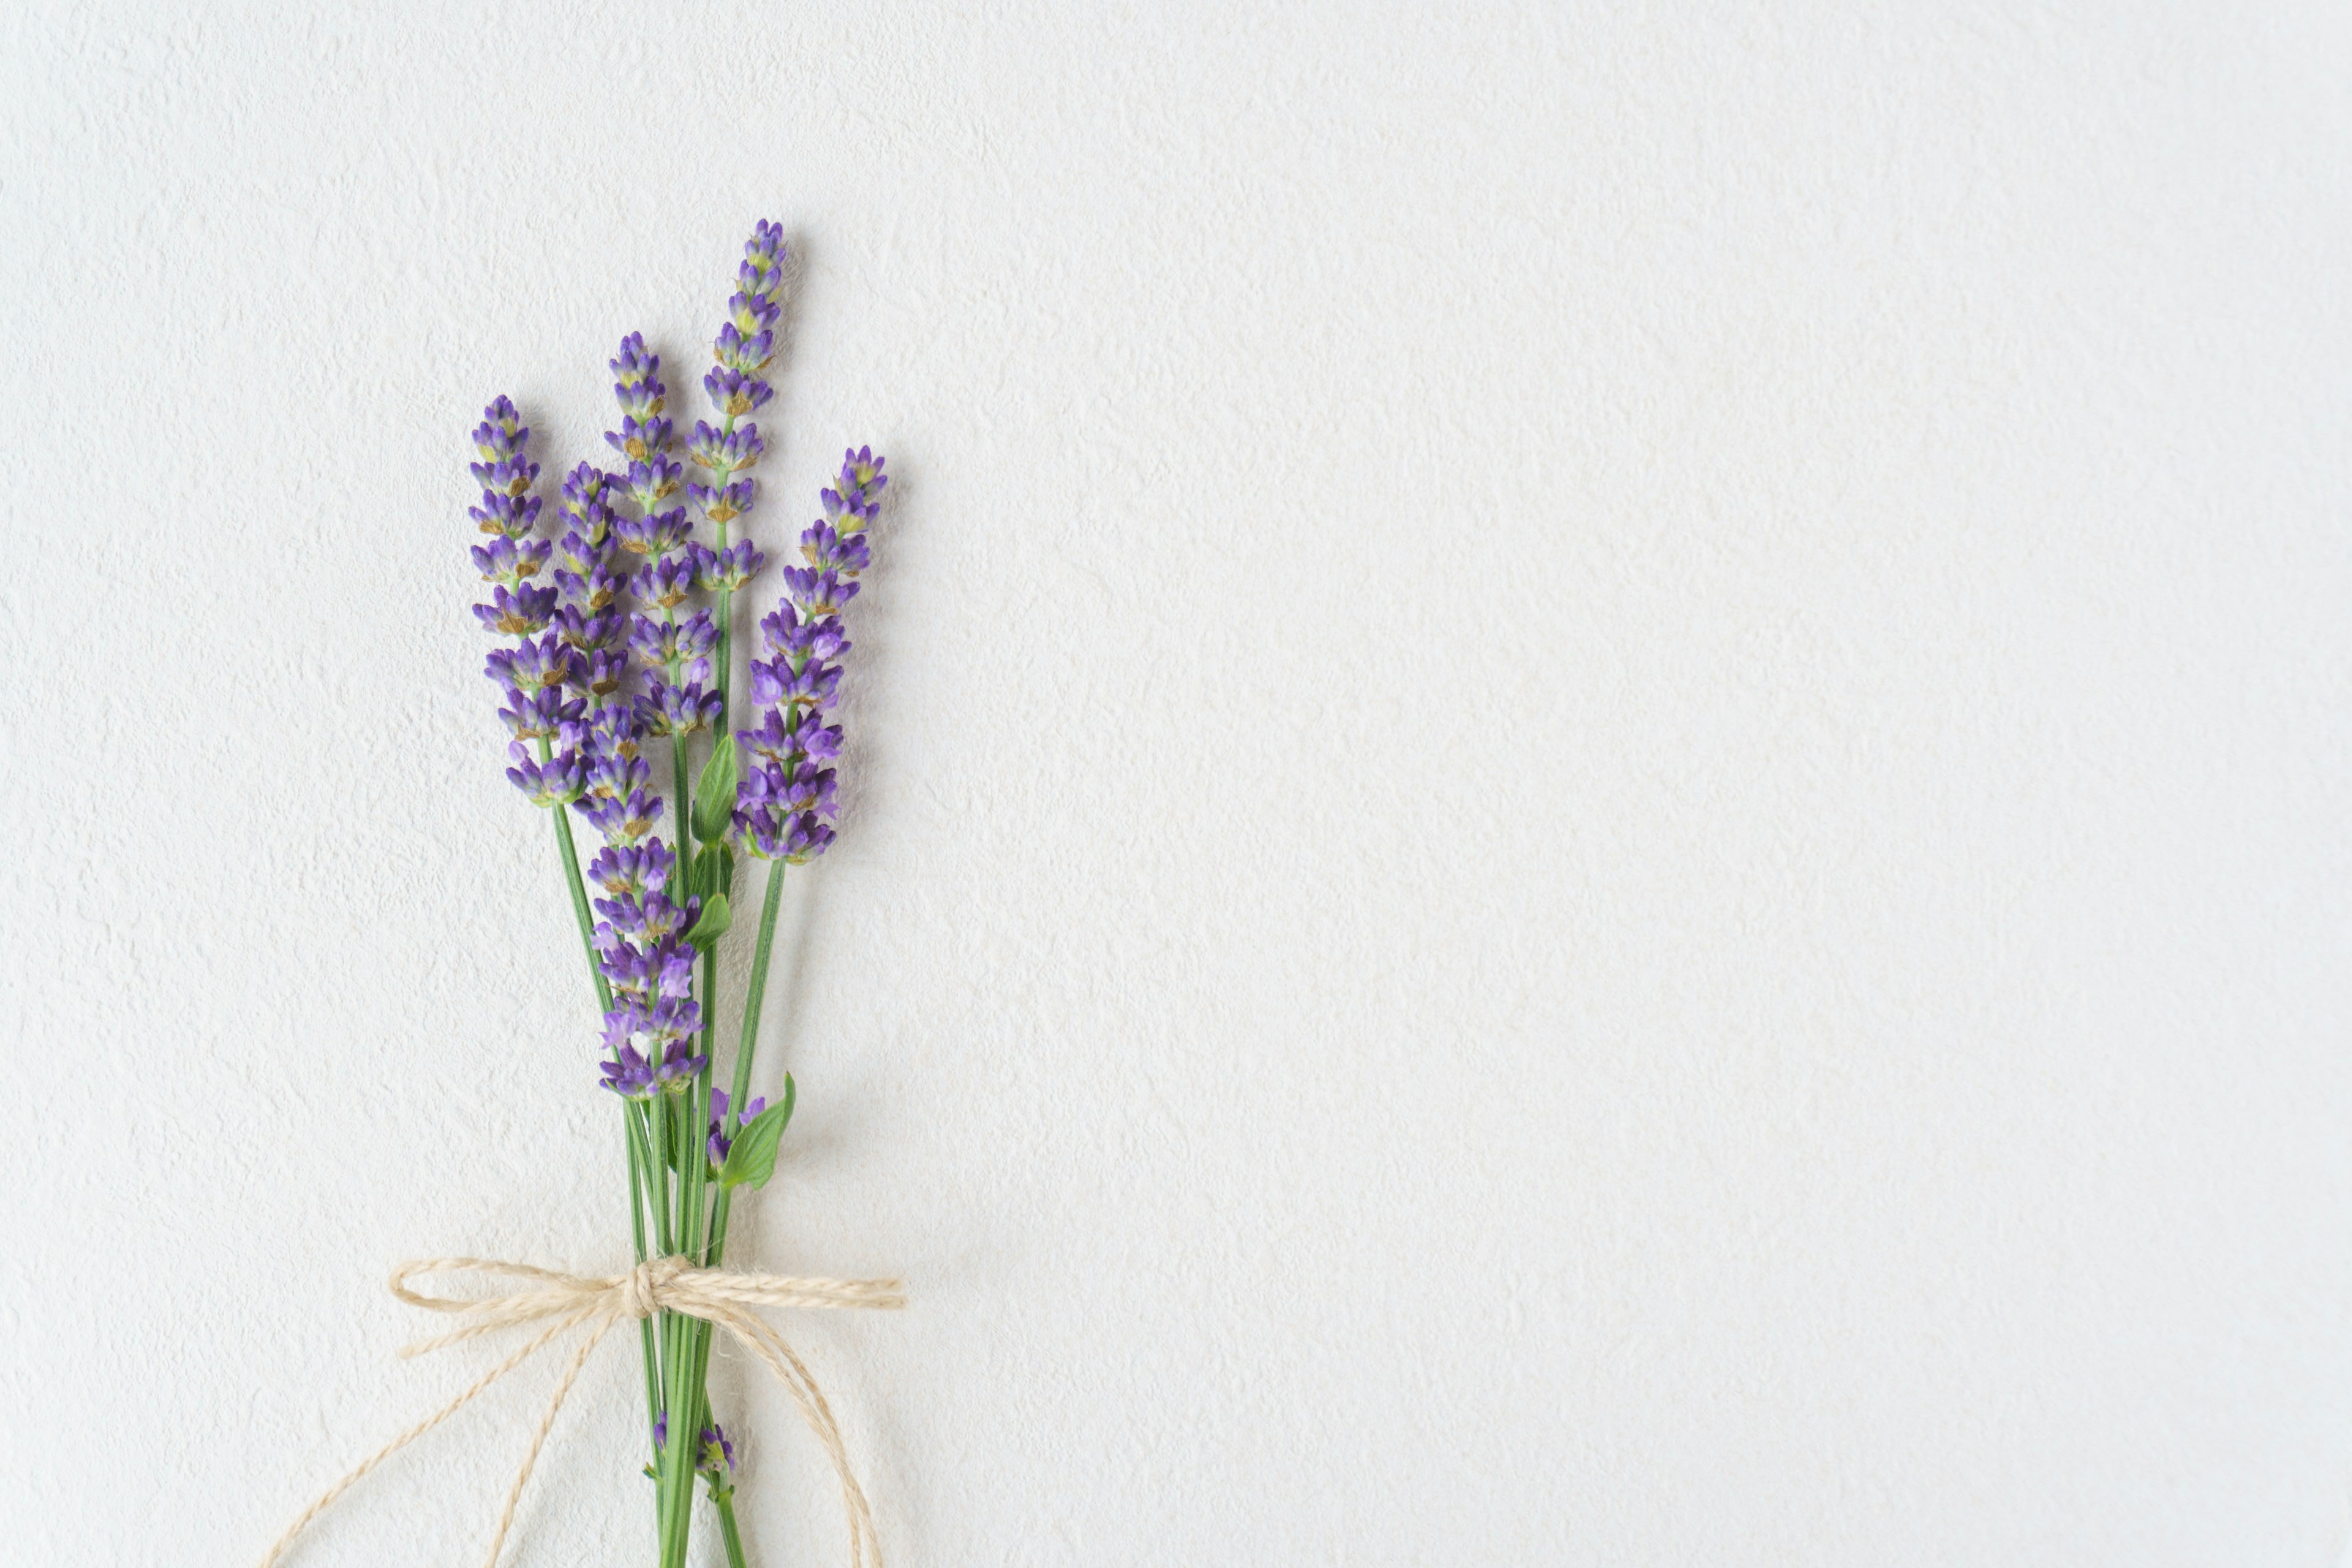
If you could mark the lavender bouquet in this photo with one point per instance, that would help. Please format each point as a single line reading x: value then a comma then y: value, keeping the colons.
x: 616, y: 683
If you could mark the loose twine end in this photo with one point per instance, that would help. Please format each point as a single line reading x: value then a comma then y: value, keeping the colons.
x: 564, y: 1302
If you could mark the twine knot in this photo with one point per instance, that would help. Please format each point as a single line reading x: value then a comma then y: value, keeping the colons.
x: 641, y: 1288
x: 564, y: 1302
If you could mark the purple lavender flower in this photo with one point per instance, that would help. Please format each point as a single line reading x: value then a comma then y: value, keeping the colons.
x: 636, y: 377
x: 720, y: 1142
x: 513, y: 516
x: 861, y: 474
x: 599, y: 674
x: 544, y: 723
x: 727, y: 570
x: 666, y: 969
x: 511, y: 474
x: 529, y: 665
x: 745, y: 353
x: 538, y: 716
x: 669, y: 705
x: 674, y: 654
x: 672, y: 642
x: 665, y: 583
x: 649, y: 1033
x: 787, y: 737
x: 796, y: 840
x: 504, y: 443
x: 679, y: 1066
x: 751, y: 311
x: 612, y: 730
x: 500, y: 434
x: 638, y: 871
x: 820, y: 593
x: 652, y: 478
x: 736, y: 393
x: 637, y: 386
x: 588, y: 630
x: 615, y: 776
x: 656, y: 535
x: 778, y: 685
x: 551, y: 783
x: 588, y: 574
x: 763, y: 259
x: 779, y: 804
x: 722, y: 503
x: 517, y: 611
x: 718, y: 1449
x: 807, y: 789
x: 583, y: 502
x: 685, y: 708
x: 827, y: 551
x: 744, y: 345
x: 648, y: 917
x: 724, y: 451
x: 635, y: 1075
x: 664, y: 1023
x: 509, y: 562
x: 592, y: 631
x: 789, y: 635
x: 621, y: 821
x: 628, y: 1074
x: 781, y: 792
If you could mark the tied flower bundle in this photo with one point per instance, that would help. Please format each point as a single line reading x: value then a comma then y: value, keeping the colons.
x: 616, y: 693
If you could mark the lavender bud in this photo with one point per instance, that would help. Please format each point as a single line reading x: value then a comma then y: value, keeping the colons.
x: 721, y: 503
x: 735, y: 393
x: 657, y: 535
x: 552, y: 783
x: 725, y: 452
x: 529, y: 665
x: 819, y: 593
x: 506, y: 560
x: 517, y: 611
x: 729, y: 569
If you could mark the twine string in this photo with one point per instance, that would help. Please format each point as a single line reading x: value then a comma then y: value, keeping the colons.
x: 566, y: 1301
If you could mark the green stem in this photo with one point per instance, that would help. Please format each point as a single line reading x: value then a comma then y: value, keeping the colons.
x: 755, y: 996
x: 657, y: 1147
x: 682, y: 784
x: 632, y: 1134
x: 697, y: 1346
x: 723, y: 614
x: 579, y: 897
x: 724, y: 611
x: 633, y: 1128
x: 690, y: 1340
x: 675, y: 1503
x: 726, y: 1503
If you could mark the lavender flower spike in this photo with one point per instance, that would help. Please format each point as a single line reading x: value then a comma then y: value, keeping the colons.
x: 784, y: 793
x: 744, y: 348
x: 544, y: 725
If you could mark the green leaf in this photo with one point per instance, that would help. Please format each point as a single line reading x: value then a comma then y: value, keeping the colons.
x: 713, y: 923
x: 714, y: 796
x: 752, y: 1158
x: 713, y: 871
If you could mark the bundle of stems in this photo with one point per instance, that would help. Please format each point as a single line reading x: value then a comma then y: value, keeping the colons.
x: 608, y: 661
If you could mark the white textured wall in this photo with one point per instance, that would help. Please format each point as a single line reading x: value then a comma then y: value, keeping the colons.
x: 1600, y: 794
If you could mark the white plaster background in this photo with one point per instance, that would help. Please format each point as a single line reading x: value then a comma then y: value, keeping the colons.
x: 1599, y: 807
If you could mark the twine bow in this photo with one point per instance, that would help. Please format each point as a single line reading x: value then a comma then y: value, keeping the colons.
x: 564, y: 1302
